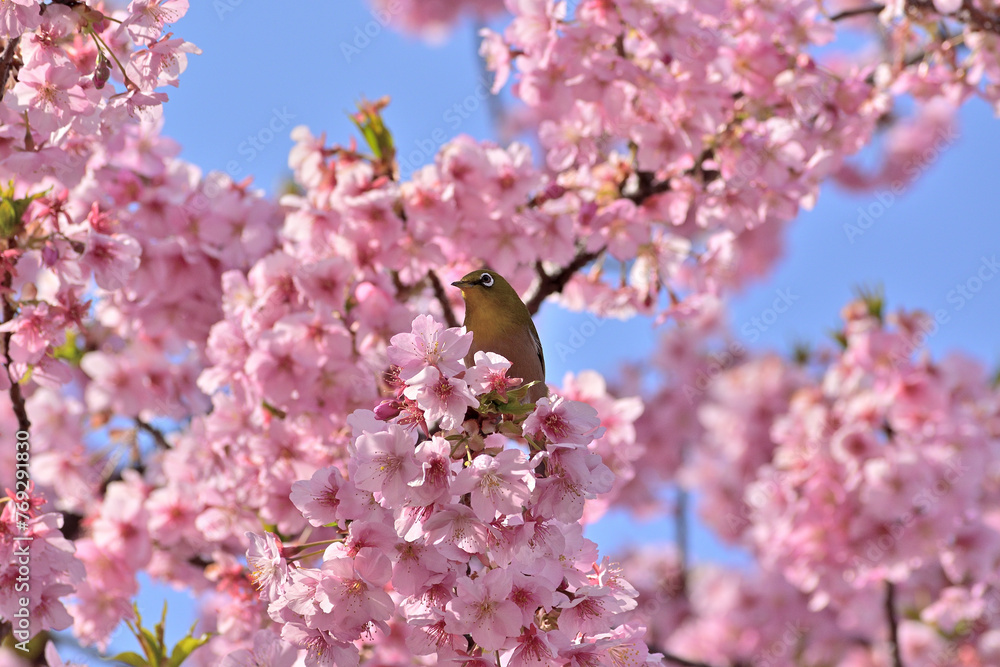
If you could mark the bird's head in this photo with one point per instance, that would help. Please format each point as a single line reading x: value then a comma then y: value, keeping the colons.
x: 487, y: 290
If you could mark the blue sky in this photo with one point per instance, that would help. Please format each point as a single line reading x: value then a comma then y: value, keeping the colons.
x: 268, y: 67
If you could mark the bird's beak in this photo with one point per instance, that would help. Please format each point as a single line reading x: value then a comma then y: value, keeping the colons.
x: 459, y: 283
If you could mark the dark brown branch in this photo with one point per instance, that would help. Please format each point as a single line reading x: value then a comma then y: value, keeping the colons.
x: 890, y: 615
x: 857, y: 11
x: 648, y: 186
x: 968, y: 13
x: 552, y: 284
x: 157, y: 434
x: 6, y: 58
x: 449, y: 314
x: 16, y: 397
x: 681, y: 528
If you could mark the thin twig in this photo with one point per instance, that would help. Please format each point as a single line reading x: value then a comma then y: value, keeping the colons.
x: 552, y: 284
x: 449, y: 314
x: 857, y: 11
x: 6, y: 58
x: 890, y: 615
x: 158, y: 436
x: 968, y: 13
x: 16, y: 397
x: 648, y: 186
x: 681, y: 528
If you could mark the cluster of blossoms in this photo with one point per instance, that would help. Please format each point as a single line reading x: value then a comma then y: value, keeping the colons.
x: 460, y: 544
x: 112, y: 255
x: 884, y: 472
x: 859, y: 479
x: 39, y: 567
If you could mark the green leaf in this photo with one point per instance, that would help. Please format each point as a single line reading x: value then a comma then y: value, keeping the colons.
x: 12, y: 209
x: 69, y: 351
x: 276, y: 411
x: 130, y: 658
x: 509, y: 428
x: 160, y: 627
x: 368, y: 120
x: 9, y: 219
x: 514, y: 406
x: 153, y: 649
x: 185, y: 647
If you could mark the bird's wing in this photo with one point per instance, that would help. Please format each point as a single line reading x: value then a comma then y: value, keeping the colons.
x: 538, y: 346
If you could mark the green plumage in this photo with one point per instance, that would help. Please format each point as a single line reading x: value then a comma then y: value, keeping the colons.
x: 500, y: 323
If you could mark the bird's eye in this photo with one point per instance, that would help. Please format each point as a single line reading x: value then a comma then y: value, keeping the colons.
x: 486, y: 280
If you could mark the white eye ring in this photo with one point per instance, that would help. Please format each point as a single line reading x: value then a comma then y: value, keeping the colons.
x: 486, y: 280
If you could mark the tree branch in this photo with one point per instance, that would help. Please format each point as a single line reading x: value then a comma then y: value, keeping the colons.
x: 6, y: 58
x: 157, y: 434
x: 968, y: 13
x: 647, y: 187
x: 551, y: 284
x: 890, y: 615
x: 857, y: 11
x: 681, y: 528
x: 449, y: 314
x: 16, y: 397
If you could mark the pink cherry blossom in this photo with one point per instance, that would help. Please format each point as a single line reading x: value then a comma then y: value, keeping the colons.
x: 18, y: 16
x: 316, y: 498
x: 500, y: 484
x: 268, y: 567
x: 564, y: 421
x: 482, y: 610
x: 268, y: 649
x: 385, y: 463
x: 429, y: 344
x: 111, y: 258
x: 490, y: 374
x: 147, y: 18
x: 442, y: 398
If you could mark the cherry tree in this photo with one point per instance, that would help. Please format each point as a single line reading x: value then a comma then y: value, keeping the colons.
x: 264, y: 400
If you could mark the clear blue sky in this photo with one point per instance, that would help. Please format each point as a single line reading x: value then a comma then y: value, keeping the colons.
x: 268, y: 66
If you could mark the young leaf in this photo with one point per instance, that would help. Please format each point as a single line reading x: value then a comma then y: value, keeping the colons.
x: 130, y: 658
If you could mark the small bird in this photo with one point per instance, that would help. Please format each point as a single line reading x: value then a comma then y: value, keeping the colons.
x: 500, y: 323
